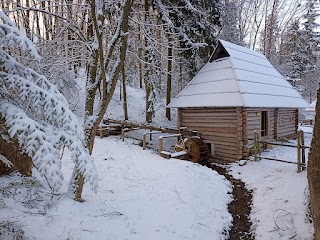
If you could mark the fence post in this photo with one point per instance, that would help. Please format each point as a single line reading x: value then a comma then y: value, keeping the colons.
x: 144, y: 141
x: 122, y: 134
x: 150, y: 134
x: 255, y: 145
x: 303, y: 151
x: 258, y: 143
x: 299, y: 151
x: 160, y: 144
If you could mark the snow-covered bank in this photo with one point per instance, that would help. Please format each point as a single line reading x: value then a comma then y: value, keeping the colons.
x: 280, y: 203
x: 141, y: 196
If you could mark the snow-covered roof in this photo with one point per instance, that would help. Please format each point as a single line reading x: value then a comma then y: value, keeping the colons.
x: 312, y: 106
x: 236, y: 76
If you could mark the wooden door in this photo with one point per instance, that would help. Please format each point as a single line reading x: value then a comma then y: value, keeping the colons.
x: 264, y: 123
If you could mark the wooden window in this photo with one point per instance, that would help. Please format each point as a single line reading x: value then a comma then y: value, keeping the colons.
x: 264, y: 123
x: 292, y: 119
x: 282, y: 120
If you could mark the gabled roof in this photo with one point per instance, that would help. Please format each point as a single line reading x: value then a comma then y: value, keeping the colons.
x: 236, y: 76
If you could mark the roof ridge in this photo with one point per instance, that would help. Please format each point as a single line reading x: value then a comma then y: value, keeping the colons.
x: 242, y: 49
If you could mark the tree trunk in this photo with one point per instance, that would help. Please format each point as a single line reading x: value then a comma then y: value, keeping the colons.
x: 314, y: 173
x: 98, y: 60
x: 11, y: 150
x: 148, y: 102
x: 169, y: 78
x: 125, y: 105
x: 147, y: 84
x: 140, y: 57
x: 46, y: 23
x: 79, y: 180
x: 26, y: 20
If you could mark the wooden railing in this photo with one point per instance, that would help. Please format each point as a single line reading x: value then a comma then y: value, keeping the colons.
x: 301, y: 154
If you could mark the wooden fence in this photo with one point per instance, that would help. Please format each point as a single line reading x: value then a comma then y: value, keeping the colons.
x: 301, y: 150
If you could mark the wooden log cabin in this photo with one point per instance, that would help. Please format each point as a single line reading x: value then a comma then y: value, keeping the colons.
x: 236, y: 93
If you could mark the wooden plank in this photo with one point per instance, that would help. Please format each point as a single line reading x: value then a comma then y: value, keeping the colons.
x: 226, y: 153
x: 209, y: 120
x: 214, y: 131
x: 128, y: 124
x: 234, y: 145
x: 221, y: 138
x: 303, y: 152
x: 160, y: 146
x: 286, y: 132
x: 253, y: 118
x: 144, y: 142
x: 224, y: 147
x: 277, y: 160
x: 227, y: 157
x: 209, y: 113
x: 255, y: 145
x: 206, y: 115
x: 165, y: 154
x: 195, y: 125
x: 253, y: 127
x: 208, y: 110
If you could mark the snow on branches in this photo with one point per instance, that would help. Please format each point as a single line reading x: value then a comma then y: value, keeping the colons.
x: 10, y: 36
x: 37, y: 114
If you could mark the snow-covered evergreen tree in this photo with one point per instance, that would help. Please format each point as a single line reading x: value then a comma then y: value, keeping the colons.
x: 195, y: 24
x: 291, y: 62
x: 229, y: 21
x: 37, y: 114
x: 152, y: 70
x: 299, y: 52
x: 310, y: 36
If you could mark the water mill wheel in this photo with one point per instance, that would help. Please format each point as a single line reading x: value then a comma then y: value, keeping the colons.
x: 197, y: 150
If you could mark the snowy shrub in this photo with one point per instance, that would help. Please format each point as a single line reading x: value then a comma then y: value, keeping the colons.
x: 11, y: 231
x: 37, y: 114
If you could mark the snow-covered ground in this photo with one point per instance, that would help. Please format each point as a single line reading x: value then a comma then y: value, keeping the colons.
x: 280, y: 202
x: 141, y: 196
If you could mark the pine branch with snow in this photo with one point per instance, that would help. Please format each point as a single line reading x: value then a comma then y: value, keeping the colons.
x: 4, y: 160
x: 37, y: 114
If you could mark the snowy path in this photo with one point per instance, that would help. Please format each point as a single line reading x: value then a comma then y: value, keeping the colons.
x: 280, y: 206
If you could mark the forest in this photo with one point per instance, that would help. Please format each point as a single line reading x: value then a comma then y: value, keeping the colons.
x: 155, y: 46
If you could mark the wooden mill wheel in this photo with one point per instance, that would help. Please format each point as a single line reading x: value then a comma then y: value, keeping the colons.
x: 197, y: 150
x: 180, y: 146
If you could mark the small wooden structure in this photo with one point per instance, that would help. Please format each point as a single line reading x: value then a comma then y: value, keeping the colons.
x: 236, y: 93
x: 105, y: 130
x: 196, y: 150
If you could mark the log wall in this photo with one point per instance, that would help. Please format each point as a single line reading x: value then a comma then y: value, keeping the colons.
x: 282, y: 123
x: 221, y: 126
x: 232, y: 129
x: 254, y: 120
x: 287, y: 122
